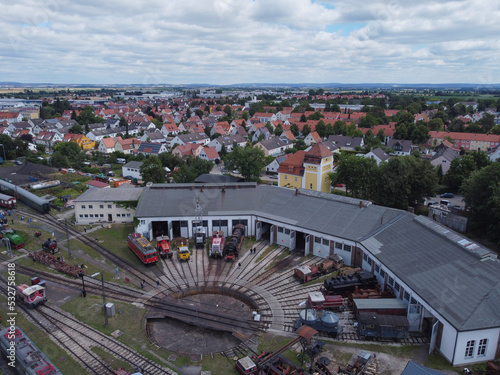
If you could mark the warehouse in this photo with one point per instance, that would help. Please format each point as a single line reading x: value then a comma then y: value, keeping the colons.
x: 450, y: 285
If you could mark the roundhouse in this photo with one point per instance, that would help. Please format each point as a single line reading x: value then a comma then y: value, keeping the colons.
x: 450, y: 285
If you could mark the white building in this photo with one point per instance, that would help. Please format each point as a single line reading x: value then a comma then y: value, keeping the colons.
x: 132, y: 169
x: 103, y: 205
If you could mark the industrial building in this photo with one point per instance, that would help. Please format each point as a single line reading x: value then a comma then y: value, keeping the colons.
x: 451, y: 286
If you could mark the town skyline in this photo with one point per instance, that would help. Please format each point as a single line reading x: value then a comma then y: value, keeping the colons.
x: 225, y: 42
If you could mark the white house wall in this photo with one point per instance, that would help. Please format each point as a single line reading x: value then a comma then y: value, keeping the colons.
x: 492, y: 335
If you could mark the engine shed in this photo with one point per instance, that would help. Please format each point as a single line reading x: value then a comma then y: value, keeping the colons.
x: 449, y: 285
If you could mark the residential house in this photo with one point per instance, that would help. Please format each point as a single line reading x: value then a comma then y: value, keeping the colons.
x: 20, y: 133
x: 132, y: 169
x: 261, y: 134
x: 147, y: 148
x: 443, y: 157
x: 182, y: 139
x: 20, y: 125
x: 274, y: 146
x: 106, y: 205
x: 401, y: 147
x: 128, y: 145
x: 107, y: 145
x: 273, y: 166
x: 341, y: 142
x: 189, y: 149
x: 210, y: 154
x: 312, y: 138
x: 81, y: 140
x: 11, y: 117
x: 223, y: 128
x: 466, y: 141
x: 284, y: 114
x: 288, y: 135
x: 155, y: 136
x: 48, y: 139
x: 377, y: 154
x: 265, y: 117
x: 307, y: 170
x: 227, y: 142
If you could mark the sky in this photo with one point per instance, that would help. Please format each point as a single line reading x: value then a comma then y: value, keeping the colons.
x: 249, y: 41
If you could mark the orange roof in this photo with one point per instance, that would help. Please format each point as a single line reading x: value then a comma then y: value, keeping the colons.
x: 319, y: 150
x: 110, y: 142
x: 211, y: 153
x: 315, y: 136
x: 293, y: 164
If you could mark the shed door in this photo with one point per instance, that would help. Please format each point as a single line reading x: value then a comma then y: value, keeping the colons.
x: 258, y: 230
x: 271, y: 241
x: 308, y: 245
x: 433, y: 336
x: 414, y: 317
x: 292, y: 239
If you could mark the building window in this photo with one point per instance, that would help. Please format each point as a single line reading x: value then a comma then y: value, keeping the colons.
x: 102, y: 215
x: 295, y: 179
x: 365, y: 257
x: 407, y: 296
x: 481, y: 348
x: 310, y: 186
x: 287, y: 231
x: 413, y: 301
x: 326, y: 242
x: 347, y: 248
x: 91, y: 206
x: 317, y: 239
x: 109, y: 206
x: 91, y: 216
x: 86, y: 215
x: 101, y: 206
x: 81, y: 215
x: 377, y: 268
x: 382, y: 272
x: 128, y: 215
x: 397, y: 286
x: 370, y: 261
x: 391, y: 281
x: 83, y: 207
x: 469, y: 349
x: 286, y: 177
x: 338, y: 245
x: 280, y: 230
x: 143, y: 221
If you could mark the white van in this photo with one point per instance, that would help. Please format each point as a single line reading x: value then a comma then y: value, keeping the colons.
x: 71, y: 170
x: 120, y: 161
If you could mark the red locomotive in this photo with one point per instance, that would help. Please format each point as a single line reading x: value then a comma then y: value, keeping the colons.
x: 233, y: 245
x: 33, y: 295
x: 217, y: 247
x: 163, y: 246
x: 142, y: 248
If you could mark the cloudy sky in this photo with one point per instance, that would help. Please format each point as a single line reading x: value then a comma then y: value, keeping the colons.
x: 249, y: 41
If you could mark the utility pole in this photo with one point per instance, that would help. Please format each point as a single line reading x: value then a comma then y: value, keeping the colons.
x: 67, y: 238
x: 104, y: 302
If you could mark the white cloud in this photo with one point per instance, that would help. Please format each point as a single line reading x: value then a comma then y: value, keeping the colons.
x: 234, y: 41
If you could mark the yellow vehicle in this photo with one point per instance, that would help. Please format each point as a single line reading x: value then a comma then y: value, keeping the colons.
x: 183, y: 252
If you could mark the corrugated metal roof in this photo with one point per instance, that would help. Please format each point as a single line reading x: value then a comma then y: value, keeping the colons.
x: 110, y: 195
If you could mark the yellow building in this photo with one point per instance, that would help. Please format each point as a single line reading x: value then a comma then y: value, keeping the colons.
x: 307, y: 170
x: 81, y: 140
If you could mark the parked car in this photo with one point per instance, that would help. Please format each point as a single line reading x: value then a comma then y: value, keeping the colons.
x: 18, y: 162
x: 274, y: 176
x: 339, y: 185
x: 71, y: 170
x: 447, y: 195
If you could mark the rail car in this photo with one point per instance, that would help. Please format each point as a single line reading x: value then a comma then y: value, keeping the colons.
x: 7, y: 201
x: 233, y: 245
x: 217, y: 246
x: 16, y: 241
x: 307, y: 273
x: 142, y: 248
x: 319, y: 301
x: 372, y: 325
x: 20, y: 350
x: 344, y: 285
x: 101, y: 177
x: 28, y: 198
x: 32, y: 295
x: 163, y: 246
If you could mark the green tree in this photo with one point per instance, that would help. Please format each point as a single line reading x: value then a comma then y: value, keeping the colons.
x: 436, y: 124
x: 87, y: 116
x: 152, y: 170
x: 481, y: 191
x: 278, y: 130
x: 75, y: 129
x: 199, y: 113
x: 249, y: 161
x: 294, y: 128
x: 321, y: 128
x: 461, y: 169
x: 69, y: 149
x: 58, y: 160
x: 359, y: 175
x: 306, y: 130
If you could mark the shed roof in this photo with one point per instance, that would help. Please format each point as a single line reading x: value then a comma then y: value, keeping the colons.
x: 110, y: 195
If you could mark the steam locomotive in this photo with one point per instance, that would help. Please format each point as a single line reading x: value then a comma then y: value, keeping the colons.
x: 344, y: 285
x: 233, y: 245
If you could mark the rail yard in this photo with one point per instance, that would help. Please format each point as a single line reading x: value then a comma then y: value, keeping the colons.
x: 202, y: 308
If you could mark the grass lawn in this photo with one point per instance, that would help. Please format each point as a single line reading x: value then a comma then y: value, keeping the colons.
x: 128, y: 319
x: 58, y: 356
x: 263, y: 253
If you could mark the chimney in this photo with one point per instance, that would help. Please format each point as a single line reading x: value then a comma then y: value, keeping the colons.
x: 360, y: 204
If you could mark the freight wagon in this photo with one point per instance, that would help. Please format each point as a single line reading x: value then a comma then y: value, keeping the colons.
x: 318, y: 301
x: 383, y: 306
x: 142, y: 248
x: 384, y: 327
